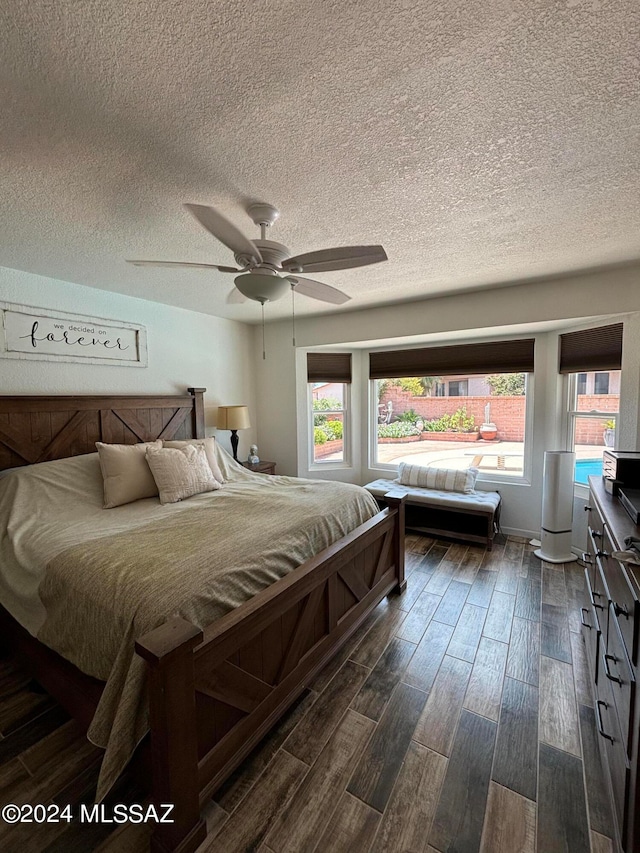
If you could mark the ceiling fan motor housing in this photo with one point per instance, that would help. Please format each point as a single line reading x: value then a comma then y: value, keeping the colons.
x: 273, y: 254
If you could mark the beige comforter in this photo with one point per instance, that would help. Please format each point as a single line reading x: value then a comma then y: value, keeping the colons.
x: 107, y: 585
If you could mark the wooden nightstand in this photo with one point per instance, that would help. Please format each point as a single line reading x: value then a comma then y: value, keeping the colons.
x: 262, y: 467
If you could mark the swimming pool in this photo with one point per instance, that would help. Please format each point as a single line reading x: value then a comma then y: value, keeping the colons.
x: 586, y: 468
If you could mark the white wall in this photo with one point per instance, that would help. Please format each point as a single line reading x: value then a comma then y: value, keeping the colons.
x: 572, y: 299
x: 186, y: 349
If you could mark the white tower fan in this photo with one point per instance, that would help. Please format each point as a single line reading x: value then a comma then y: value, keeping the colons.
x: 557, y: 507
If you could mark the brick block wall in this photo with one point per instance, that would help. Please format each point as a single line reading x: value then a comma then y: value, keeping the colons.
x: 591, y: 430
x: 507, y: 413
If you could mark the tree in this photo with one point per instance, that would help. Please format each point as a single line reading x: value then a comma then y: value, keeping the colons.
x: 417, y: 386
x: 325, y: 404
x: 506, y: 384
x: 429, y: 383
x: 411, y: 384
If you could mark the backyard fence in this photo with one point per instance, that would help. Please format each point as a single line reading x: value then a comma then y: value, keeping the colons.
x: 507, y: 413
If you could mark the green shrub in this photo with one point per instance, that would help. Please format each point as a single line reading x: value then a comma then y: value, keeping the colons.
x: 399, y: 429
x: 333, y: 430
x: 411, y: 384
x: 459, y: 421
x: 326, y: 404
x: 409, y: 417
x: 506, y: 384
x: 319, y: 435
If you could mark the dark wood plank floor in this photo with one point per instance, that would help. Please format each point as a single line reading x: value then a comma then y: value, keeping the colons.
x: 458, y: 718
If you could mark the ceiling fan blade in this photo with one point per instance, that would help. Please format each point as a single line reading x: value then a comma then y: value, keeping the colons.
x: 318, y: 290
x: 225, y: 231
x: 234, y: 297
x: 340, y: 258
x: 183, y: 264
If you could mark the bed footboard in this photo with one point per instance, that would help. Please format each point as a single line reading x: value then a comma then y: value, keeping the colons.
x: 214, y: 694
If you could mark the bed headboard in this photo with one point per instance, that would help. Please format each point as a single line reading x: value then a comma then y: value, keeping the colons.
x: 37, y: 429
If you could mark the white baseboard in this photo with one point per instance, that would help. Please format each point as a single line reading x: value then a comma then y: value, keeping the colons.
x: 534, y: 534
x: 515, y: 531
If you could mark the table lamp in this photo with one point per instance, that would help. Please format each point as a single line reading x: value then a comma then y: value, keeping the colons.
x: 233, y: 418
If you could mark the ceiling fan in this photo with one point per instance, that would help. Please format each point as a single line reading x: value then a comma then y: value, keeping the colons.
x: 266, y: 270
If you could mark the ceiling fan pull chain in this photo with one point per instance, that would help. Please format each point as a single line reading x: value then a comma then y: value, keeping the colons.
x: 264, y: 352
x: 293, y: 312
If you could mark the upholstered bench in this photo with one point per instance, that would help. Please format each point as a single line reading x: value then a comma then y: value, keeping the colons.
x: 472, y: 516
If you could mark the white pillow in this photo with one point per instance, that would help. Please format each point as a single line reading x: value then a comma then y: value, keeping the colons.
x: 442, y: 479
x: 125, y: 472
x: 181, y: 472
x: 209, y: 448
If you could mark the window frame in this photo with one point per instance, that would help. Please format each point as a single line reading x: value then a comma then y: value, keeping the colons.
x: 597, y: 374
x: 458, y: 383
x: 523, y: 479
x: 573, y: 415
x: 330, y: 464
x: 584, y: 381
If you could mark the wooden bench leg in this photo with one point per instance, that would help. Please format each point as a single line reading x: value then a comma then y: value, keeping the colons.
x: 397, y: 502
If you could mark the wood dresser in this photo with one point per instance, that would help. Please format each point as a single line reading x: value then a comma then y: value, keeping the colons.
x: 611, y: 623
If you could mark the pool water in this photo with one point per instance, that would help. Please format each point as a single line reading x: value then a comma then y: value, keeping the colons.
x: 586, y: 468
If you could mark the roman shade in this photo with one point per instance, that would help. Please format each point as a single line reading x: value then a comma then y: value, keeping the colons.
x: 591, y: 349
x: 492, y: 357
x: 329, y: 367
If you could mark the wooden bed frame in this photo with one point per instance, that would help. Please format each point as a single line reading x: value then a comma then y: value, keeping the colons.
x: 213, y: 693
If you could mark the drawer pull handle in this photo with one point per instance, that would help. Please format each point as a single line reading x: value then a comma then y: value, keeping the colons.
x: 602, y: 554
x: 607, y: 671
x: 584, y: 610
x: 599, y: 718
x: 587, y: 508
x: 586, y: 558
x: 620, y: 610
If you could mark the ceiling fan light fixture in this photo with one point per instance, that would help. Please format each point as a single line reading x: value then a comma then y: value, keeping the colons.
x: 264, y: 264
x: 262, y: 286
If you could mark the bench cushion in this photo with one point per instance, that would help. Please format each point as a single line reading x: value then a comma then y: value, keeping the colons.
x: 479, y: 501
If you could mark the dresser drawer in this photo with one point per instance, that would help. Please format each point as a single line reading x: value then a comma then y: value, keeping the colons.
x: 626, y: 607
x: 590, y: 628
x: 595, y: 520
x: 594, y: 549
x: 611, y: 738
x: 617, y: 671
x: 600, y: 597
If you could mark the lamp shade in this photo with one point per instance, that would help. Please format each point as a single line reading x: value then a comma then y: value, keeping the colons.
x: 233, y: 417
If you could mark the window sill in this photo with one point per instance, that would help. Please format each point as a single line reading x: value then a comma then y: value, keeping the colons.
x: 329, y: 466
x: 581, y: 491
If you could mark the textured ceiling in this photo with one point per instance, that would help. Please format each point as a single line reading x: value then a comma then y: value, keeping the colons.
x: 480, y: 141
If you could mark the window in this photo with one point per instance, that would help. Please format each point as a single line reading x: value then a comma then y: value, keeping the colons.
x: 439, y: 389
x: 592, y: 422
x: 601, y: 383
x: 459, y: 388
x: 329, y: 409
x: 429, y: 429
x: 329, y: 381
x: 485, y: 429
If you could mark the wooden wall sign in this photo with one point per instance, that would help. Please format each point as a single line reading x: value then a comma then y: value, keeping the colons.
x: 35, y: 333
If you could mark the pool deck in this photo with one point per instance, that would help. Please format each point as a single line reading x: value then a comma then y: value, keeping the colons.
x: 503, y: 457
